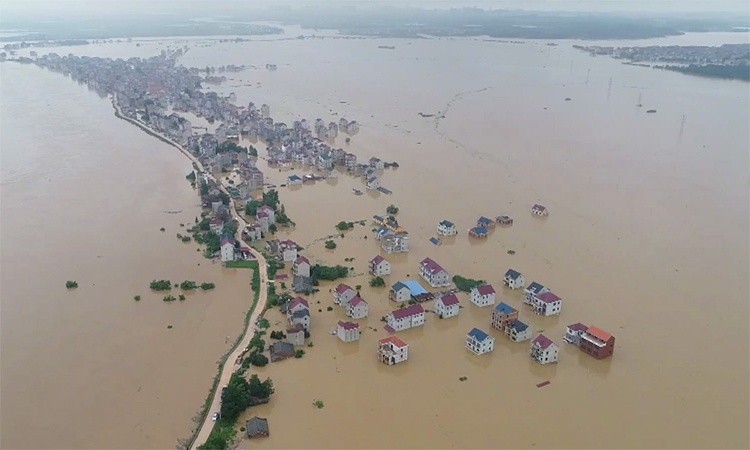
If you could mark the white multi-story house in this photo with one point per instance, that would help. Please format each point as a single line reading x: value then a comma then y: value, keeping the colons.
x: 347, y: 331
x: 392, y: 350
x: 514, y: 279
x: 343, y: 294
x: 227, y: 249
x: 380, y: 266
x: 447, y: 306
x: 357, y: 308
x: 543, y: 350
x: 373, y: 182
x: 301, y: 317
x: 395, y: 242
x: 399, y: 293
x: 533, y: 290
x: 479, y: 342
x: 483, y: 295
x: 301, y: 266
x: 270, y: 212
x: 404, y: 318
x: 547, y: 304
x: 573, y: 333
x: 433, y: 273
x: 287, y: 251
x: 446, y: 228
x: 518, y: 331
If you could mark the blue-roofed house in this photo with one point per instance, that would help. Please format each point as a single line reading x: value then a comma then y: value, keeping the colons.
x: 399, y: 293
x: 479, y: 342
x: 293, y: 180
x: 503, y: 315
x: 446, y: 228
x: 485, y: 222
x: 532, y: 291
x: 415, y: 288
x: 479, y: 232
x: 518, y: 331
x: 513, y: 279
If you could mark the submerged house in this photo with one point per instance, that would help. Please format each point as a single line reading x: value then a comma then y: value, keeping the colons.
x: 573, y: 333
x: 348, y: 331
x: 504, y: 220
x: 543, y: 350
x: 380, y: 266
x: 357, y: 308
x: 446, y: 228
x: 547, y: 304
x: 479, y: 342
x: 539, y: 210
x: 404, y: 318
x: 399, y: 293
x: 485, y: 222
x: 257, y: 427
x: 392, y: 350
x: 281, y: 351
x: 483, y: 295
x: 479, y: 232
x: 394, y: 241
x: 447, y: 306
x: 343, y: 294
x: 503, y: 315
x: 532, y: 291
x: 597, y: 343
x: 518, y: 331
x: 433, y: 273
x: 513, y: 279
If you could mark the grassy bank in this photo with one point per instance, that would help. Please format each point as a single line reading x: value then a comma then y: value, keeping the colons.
x: 221, y: 426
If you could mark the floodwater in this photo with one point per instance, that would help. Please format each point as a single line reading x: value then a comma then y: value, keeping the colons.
x: 647, y: 238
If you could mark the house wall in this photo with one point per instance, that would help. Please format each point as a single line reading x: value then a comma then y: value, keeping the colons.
x: 401, y: 296
x: 446, y: 311
x: 480, y: 347
x: 345, y: 298
x: 227, y: 252
x: 357, y: 312
x: 597, y: 352
x: 482, y: 300
x: 303, y: 270
x: 289, y: 255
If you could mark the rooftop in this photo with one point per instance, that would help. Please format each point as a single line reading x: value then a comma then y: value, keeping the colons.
x: 519, y: 326
x: 548, y: 297
x: 415, y: 287
x: 398, y: 286
x: 394, y: 340
x: 357, y: 300
x: 485, y: 289
x: 447, y: 223
x: 505, y: 308
x: 478, y: 334
x: 598, y: 333
x: 449, y: 300
x: 578, y: 327
x: 343, y: 288
x: 408, y: 311
x: 348, y: 325
x: 542, y: 341
x: 377, y: 259
x: 431, y: 266
x: 512, y: 274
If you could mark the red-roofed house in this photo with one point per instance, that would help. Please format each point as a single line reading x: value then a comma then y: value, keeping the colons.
x: 433, y: 273
x: 597, y: 343
x: 343, y: 294
x: 269, y: 212
x: 347, y: 331
x: 380, y: 266
x: 216, y: 226
x: 357, y: 308
x: 392, y: 350
x: 301, y: 266
x: 547, y: 304
x: 573, y: 333
x: 447, y: 306
x: 401, y: 319
x: 297, y: 304
x: 543, y: 350
x: 483, y: 295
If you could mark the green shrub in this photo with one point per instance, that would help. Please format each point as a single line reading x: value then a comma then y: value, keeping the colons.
x: 161, y: 285
x: 71, y: 284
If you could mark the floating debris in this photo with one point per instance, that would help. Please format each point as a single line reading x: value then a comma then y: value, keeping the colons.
x: 384, y: 190
x: 651, y: 111
x: 542, y: 384
x: 357, y: 192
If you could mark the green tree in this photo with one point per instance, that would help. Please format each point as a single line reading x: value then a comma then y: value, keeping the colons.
x: 377, y: 282
x: 258, y: 359
x: 251, y: 207
x: 271, y: 198
x: 466, y: 284
x: 330, y: 245
x: 224, y: 198
x: 204, y: 189
x: 392, y: 209
x: 329, y: 273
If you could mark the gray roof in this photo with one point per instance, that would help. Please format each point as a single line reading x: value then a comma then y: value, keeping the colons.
x: 282, y: 348
x: 300, y: 313
x: 535, y: 287
x: 512, y: 274
x: 257, y: 426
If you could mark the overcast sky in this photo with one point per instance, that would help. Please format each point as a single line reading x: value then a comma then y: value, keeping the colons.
x: 46, y: 9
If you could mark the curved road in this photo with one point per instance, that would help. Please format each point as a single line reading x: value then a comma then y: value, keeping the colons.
x: 229, y: 366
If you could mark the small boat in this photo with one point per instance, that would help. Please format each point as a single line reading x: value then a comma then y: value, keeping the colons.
x: 651, y: 111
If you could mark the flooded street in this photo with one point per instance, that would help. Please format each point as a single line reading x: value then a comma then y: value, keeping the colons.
x: 646, y: 238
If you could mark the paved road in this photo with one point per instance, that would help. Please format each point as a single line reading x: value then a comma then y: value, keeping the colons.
x: 229, y: 367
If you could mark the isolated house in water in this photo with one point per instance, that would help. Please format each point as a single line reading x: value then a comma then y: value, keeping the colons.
x: 399, y: 293
x: 518, y: 331
x: 257, y: 427
x: 485, y: 222
x: 343, y: 294
x: 479, y: 342
x: 433, y: 273
x: 543, y: 350
x: 483, y: 295
x: 539, y: 210
x: 357, y: 308
x: 446, y: 228
x: 597, y: 343
x: 392, y: 350
x: 513, y: 279
x: 401, y: 319
x: 547, y: 304
x: 573, y: 333
x: 447, y: 306
x: 348, y: 331
x: 379, y: 266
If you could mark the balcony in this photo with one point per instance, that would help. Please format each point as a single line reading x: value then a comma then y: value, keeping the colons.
x: 593, y: 340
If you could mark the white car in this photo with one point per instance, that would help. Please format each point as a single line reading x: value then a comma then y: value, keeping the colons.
x: 215, y: 416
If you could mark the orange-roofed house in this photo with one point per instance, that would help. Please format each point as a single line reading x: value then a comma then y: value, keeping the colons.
x: 597, y: 343
x: 392, y: 350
